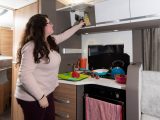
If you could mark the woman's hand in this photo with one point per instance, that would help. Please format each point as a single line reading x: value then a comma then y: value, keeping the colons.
x: 82, y: 23
x: 43, y: 102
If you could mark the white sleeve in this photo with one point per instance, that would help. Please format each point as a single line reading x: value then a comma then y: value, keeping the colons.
x: 67, y: 34
x: 26, y: 72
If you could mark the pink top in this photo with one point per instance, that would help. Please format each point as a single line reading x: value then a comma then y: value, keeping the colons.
x: 34, y: 80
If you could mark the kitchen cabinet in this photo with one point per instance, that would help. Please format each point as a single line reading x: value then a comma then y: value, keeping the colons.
x: 6, y: 38
x: 68, y: 102
x: 112, y: 11
x: 5, y: 82
x: 28, y: 11
x: 144, y: 9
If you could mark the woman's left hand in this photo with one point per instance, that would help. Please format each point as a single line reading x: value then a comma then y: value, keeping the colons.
x: 82, y: 23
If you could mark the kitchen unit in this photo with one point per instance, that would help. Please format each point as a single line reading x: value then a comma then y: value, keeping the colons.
x: 69, y: 96
x: 5, y: 82
x: 101, y: 28
x: 68, y: 102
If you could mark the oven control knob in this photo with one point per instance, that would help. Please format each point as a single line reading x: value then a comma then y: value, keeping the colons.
x: 117, y: 95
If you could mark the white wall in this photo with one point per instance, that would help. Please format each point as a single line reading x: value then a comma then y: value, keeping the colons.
x: 108, y: 38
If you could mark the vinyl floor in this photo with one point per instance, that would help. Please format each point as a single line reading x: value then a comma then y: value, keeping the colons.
x: 6, y: 115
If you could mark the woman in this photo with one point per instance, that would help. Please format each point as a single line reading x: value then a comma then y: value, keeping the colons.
x: 39, y: 62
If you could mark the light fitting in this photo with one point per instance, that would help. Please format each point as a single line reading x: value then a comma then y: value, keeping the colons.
x: 3, y: 11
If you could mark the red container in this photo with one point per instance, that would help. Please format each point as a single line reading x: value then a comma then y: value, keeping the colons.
x: 121, y: 79
x: 83, y: 63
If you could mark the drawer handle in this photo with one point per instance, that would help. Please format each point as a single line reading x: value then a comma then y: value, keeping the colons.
x: 62, y: 114
x: 62, y: 100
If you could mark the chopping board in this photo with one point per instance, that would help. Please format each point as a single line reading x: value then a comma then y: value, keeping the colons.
x: 68, y: 76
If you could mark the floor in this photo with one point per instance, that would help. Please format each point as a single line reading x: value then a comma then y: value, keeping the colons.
x: 6, y: 115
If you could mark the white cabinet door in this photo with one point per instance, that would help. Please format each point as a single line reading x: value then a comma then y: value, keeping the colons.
x: 112, y: 11
x: 148, y: 8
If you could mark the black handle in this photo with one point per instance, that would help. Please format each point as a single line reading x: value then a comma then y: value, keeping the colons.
x: 118, y: 61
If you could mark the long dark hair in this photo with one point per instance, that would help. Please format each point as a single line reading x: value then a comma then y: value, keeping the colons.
x: 34, y: 31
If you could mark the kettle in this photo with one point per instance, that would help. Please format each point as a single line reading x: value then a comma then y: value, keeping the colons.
x: 117, y: 68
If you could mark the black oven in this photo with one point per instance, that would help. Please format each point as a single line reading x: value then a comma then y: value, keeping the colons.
x: 109, y: 95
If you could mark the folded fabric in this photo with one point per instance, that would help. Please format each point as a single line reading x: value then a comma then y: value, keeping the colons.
x: 101, y: 110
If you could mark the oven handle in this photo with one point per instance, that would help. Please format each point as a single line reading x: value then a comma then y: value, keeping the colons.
x: 106, y: 99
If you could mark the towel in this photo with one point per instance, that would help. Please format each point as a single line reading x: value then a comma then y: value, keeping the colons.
x: 101, y: 110
x: 151, y: 93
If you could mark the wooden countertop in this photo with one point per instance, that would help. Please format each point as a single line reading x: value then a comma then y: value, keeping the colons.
x: 5, y: 57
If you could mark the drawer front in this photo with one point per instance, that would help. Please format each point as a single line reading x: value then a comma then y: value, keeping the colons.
x: 66, y: 91
x: 65, y: 104
x: 63, y: 115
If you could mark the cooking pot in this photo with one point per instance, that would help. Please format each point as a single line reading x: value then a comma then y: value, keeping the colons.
x: 117, y: 68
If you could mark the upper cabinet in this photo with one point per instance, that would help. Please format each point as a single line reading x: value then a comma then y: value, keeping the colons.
x: 144, y: 9
x: 108, y: 15
x: 112, y: 11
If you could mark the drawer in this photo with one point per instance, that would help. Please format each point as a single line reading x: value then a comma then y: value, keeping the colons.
x: 64, y: 116
x: 69, y: 107
x: 65, y: 102
x: 65, y: 91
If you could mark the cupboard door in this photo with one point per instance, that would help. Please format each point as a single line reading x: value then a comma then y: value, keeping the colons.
x: 147, y: 8
x: 110, y: 11
x: 6, y: 39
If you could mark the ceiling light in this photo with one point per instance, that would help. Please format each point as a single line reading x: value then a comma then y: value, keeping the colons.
x: 77, y: 1
x: 115, y: 30
x: 3, y: 11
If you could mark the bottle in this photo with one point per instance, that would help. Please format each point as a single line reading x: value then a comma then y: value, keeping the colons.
x: 83, y: 63
x: 86, y: 19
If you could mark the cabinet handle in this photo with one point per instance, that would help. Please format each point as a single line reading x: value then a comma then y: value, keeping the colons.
x: 126, y: 19
x: 62, y: 115
x: 5, y: 68
x: 60, y: 100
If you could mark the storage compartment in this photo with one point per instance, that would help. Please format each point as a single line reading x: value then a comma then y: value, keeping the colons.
x: 78, y: 12
x: 87, y: 14
x: 68, y: 102
x: 144, y: 10
x: 5, y: 89
x: 112, y: 11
